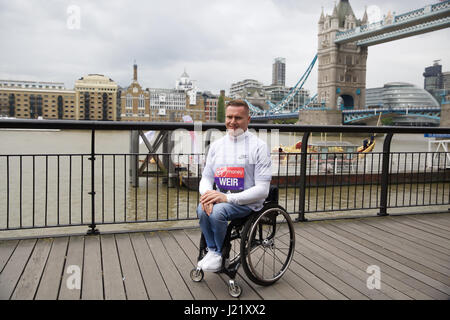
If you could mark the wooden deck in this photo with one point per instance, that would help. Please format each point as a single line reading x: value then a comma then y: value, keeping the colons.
x: 331, y: 261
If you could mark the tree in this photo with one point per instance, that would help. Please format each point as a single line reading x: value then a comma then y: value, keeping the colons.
x: 221, y: 109
x: 387, y: 121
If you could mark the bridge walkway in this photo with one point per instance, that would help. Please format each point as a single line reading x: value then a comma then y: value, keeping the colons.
x: 331, y: 261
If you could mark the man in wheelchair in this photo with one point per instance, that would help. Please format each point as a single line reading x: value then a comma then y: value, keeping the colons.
x: 239, y: 165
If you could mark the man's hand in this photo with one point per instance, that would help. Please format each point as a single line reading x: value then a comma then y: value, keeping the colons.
x: 207, y: 208
x: 209, y: 198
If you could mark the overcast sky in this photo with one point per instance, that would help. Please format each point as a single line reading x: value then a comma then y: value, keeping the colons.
x: 218, y: 42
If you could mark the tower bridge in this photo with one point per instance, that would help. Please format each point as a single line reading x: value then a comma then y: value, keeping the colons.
x: 343, y: 42
x: 429, y: 18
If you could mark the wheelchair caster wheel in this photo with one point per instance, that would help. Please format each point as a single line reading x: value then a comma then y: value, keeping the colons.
x: 234, y: 290
x: 197, y: 275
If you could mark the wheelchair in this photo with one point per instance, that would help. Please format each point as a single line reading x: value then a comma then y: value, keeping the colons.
x: 262, y: 242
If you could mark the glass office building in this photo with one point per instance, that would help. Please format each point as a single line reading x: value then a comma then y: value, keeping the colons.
x: 399, y: 95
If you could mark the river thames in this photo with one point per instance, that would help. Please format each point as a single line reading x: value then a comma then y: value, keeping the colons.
x: 45, y: 179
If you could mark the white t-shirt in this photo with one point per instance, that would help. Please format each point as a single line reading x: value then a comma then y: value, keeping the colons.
x: 241, y: 168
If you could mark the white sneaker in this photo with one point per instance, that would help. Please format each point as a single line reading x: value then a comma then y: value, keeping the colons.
x: 213, y: 263
x: 200, y: 263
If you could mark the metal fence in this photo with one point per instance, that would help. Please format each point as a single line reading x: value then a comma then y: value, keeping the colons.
x: 58, y: 190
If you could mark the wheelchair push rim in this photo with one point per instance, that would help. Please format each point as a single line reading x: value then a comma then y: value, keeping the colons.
x: 269, y: 246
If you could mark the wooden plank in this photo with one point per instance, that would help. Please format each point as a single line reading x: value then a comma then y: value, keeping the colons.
x: 6, y: 249
x: 353, y: 265
x: 53, y: 271
x: 384, y: 255
x: 344, y: 271
x: 29, y: 281
x: 396, y: 238
x: 134, y: 284
x: 14, y: 268
x: 219, y: 282
x: 174, y: 282
x: 445, y: 234
x: 445, y: 244
x: 315, y: 287
x: 156, y: 288
x: 292, y: 278
x: 74, y: 264
x: 389, y: 227
x: 184, y: 267
x: 92, y: 269
x: 425, y: 267
x: 112, y: 274
x: 331, y: 279
x: 189, y: 241
x: 430, y: 221
x: 442, y: 218
x: 306, y: 291
x: 373, y: 258
x: 389, y: 275
x: 285, y: 286
x: 401, y: 246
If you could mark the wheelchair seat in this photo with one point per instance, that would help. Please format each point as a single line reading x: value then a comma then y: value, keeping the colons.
x: 247, y: 242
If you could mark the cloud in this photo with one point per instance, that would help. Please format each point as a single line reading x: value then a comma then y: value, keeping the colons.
x: 218, y: 42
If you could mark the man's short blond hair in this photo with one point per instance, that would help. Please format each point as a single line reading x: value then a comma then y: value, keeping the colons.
x: 239, y: 103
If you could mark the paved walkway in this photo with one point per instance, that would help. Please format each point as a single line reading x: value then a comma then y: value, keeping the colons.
x: 331, y: 262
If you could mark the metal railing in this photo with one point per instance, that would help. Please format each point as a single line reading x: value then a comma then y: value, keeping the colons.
x: 92, y: 189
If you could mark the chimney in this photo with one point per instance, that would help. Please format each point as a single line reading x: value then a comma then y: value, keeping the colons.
x: 135, y: 71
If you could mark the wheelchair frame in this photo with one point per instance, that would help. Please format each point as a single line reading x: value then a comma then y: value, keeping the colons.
x: 243, y: 228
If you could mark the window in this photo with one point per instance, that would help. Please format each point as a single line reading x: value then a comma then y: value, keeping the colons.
x: 141, y: 104
x: 129, y: 101
x: 348, y: 60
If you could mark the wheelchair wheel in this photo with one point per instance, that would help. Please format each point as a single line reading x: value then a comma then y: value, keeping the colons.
x: 197, y: 275
x: 232, y: 245
x: 267, y: 246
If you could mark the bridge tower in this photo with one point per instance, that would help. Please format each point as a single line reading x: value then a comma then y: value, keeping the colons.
x: 341, y: 67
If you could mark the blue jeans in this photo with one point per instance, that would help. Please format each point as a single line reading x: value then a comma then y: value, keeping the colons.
x: 214, y: 226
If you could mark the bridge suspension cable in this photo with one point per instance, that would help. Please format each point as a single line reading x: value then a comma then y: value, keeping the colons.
x: 313, y: 98
x: 275, y: 108
x: 293, y: 92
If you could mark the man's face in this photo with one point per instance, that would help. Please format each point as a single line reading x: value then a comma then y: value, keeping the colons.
x: 236, y: 120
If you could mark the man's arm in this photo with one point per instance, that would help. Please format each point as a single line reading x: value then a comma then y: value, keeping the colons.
x: 259, y: 191
x: 206, y: 184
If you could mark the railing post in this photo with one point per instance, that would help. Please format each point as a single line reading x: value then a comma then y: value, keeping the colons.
x: 385, y: 175
x: 134, y: 159
x: 303, y: 160
x: 92, y: 230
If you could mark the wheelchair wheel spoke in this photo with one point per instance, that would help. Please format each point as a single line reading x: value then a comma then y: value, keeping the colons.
x: 268, y: 246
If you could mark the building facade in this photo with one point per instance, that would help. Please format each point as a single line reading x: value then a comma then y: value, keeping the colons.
x: 399, y: 95
x: 279, y: 72
x: 436, y: 82
x: 37, y: 100
x: 211, y: 102
x: 96, y: 98
x: 341, y: 68
x: 134, y: 101
x: 167, y: 104
x: 276, y: 94
x: 237, y: 88
x: 188, y: 86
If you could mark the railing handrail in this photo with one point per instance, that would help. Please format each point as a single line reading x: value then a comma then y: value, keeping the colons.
x: 160, y: 126
x: 383, y: 161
